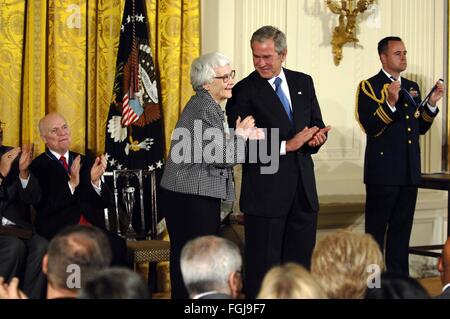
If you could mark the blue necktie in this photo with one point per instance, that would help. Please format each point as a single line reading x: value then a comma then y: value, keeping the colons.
x: 283, y: 99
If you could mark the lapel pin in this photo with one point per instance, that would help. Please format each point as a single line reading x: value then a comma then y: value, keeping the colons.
x: 413, y: 92
x: 299, y: 92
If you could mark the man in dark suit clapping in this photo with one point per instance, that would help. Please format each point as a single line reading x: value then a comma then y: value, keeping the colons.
x: 72, y: 192
x: 21, y: 249
x: 280, y: 208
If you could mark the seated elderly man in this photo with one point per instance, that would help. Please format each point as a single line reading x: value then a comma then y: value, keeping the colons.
x: 72, y: 190
x: 211, y: 268
x: 21, y: 249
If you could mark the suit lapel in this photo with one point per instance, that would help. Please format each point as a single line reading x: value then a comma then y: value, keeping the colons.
x: 269, y: 98
x: 300, y: 96
x: 296, y: 102
x: 382, y: 80
x: 55, y: 165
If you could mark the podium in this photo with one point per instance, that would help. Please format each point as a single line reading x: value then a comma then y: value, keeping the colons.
x: 438, y: 181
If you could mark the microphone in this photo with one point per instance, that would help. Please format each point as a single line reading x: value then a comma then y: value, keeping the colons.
x: 425, y: 100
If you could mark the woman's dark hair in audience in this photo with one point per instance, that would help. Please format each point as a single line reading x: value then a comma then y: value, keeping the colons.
x: 115, y: 283
x: 396, y: 286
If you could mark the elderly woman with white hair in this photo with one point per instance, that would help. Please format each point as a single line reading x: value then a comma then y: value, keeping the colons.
x: 198, y: 171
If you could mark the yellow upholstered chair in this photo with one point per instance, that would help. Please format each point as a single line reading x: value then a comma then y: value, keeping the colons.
x: 146, y: 252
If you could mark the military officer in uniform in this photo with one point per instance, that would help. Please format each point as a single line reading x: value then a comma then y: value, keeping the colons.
x: 389, y: 111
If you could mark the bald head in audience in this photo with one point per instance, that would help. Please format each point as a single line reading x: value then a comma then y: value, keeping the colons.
x: 74, y: 255
x: 55, y: 132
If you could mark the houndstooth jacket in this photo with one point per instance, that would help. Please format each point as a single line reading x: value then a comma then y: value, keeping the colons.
x: 201, y: 155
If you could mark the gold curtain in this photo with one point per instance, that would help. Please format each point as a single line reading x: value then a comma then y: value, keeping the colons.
x: 60, y: 55
x: 177, y: 44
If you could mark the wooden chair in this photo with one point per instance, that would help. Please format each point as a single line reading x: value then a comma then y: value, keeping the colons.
x: 147, y: 251
x: 145, y: 255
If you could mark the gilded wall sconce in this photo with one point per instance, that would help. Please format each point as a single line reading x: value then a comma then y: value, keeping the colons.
x: 344, y: 33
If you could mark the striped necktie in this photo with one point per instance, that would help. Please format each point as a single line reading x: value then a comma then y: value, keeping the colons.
x: 63, y: 161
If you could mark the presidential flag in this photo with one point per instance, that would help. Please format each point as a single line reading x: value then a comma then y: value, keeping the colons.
x: 134, y: 135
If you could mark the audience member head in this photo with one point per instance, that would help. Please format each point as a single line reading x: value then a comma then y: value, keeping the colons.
x: 211, y: 263
x: 290, y: 281
x: 74, y: 255
x: 55, y: 132
x: 444, y: 263
x: 340, y: 263
x: 115, y: 283
x: 397, y: 286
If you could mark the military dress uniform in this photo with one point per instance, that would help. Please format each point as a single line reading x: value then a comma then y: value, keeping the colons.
x: 392, y: 162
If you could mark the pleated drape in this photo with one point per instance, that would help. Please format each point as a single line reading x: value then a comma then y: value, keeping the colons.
x: 61, y: 55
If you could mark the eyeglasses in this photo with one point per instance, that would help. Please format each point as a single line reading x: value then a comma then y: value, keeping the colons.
x: 225, y: 78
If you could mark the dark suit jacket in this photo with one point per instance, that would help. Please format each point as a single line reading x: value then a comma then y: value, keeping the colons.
x: 271, y: 195
x: 14, y: 200
x: 392, y: 153
x: 58, y: 207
